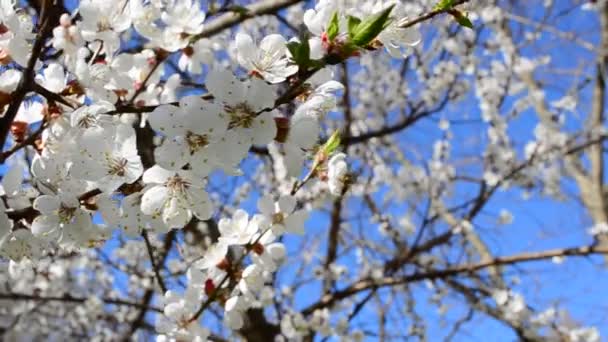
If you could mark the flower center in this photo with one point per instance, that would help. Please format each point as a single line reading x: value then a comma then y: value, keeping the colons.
x: 258, y: 248
x: 177, y: 184
x: 103, y: 24
x: 196, y: 141
x: 266, y: 60
x: 87, y: 121
x: 118, y: 166
x: 278, y: 218
x: 66, y: 214
x: 241, y: 115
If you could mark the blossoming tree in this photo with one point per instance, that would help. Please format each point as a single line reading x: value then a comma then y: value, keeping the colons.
x: 298, y: 170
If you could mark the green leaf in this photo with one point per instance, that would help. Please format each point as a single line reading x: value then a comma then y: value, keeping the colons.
x: 333, y: 28
x: 353, y: 23
x: 332, y: 143
x: 300, y: 52
x: 462, y: 19
x: 444, y: 5
x: 371, y: 27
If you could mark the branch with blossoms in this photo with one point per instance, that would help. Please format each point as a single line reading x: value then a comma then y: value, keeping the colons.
x: 369, y: 284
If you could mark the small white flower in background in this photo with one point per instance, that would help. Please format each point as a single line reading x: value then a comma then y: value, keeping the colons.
x: 127, y: 215
x: 176, y: 322
x: 14, y: 42
x: 48, y: 171
x: 584, y: 334
x: 235, y: 308
x: 193, y: 57
x: 183, y: 19
x: 252, y: 280
x: 90, y: 124
x: 316, y: 20
x: 598, y: 229
x: 246, y: 105
x: 53, y: 78
x: 110, y: 163
x: 30, y: 112
x: 464, y: 227
x: 320, y: 322
x: 67, y: 37
x: 303, y: 133
x: 321, y: 101
x: 397, y: 41
x: 282, y: 215
x: 20, y: 244
x: 134, y: 220
x: 294, y: 326
x: 213, y: 256
x: 194, y: 131
x: 511, y: 303
x: 337, y: 170
x: 6, y: 224
x: 103, y: 20
x: 239, y: 230
x: 145, y: 16
x: 174, y: 196
x: 9, y: 80
x: 61, y: 219
x: 268, y: 61
x: 267, y: 253
x: 505, y: 217
x: 12, y: 181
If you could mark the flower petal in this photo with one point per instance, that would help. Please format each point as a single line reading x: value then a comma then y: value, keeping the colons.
x: 44, y: 225
x: 47, y: 204
x: 171, y: 155
x: 157, y: 175
x: 294, y: 223
x: 264, y: 129
x: 266, y: 206
x: 153, y: 200
x: 200, y: 204
x: 225, y: 86
x: 287, y: 204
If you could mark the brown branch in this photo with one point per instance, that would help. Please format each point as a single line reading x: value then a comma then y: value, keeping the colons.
x: 49, y: 11
x: 431, y: 15
x: 233, y: 18
x: 155, y: 266
x: 51, y: 96
x: 160, y: 58
x: 333, y: 241
x: 149, y: 294
x: 367, y: 284
x: 30, y: 140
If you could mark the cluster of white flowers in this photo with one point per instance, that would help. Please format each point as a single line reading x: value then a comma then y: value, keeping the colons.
x: 511, y: 303
x: 89, y: 174
x: 256, y: 237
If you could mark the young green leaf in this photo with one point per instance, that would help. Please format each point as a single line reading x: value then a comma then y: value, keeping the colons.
x: 371, y: 27
x: 333, y: 28
x: 462, y: 19
x: 443, y: 5
x: 332, y: 143
x: 353, y: 23
x: 300, y: 52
